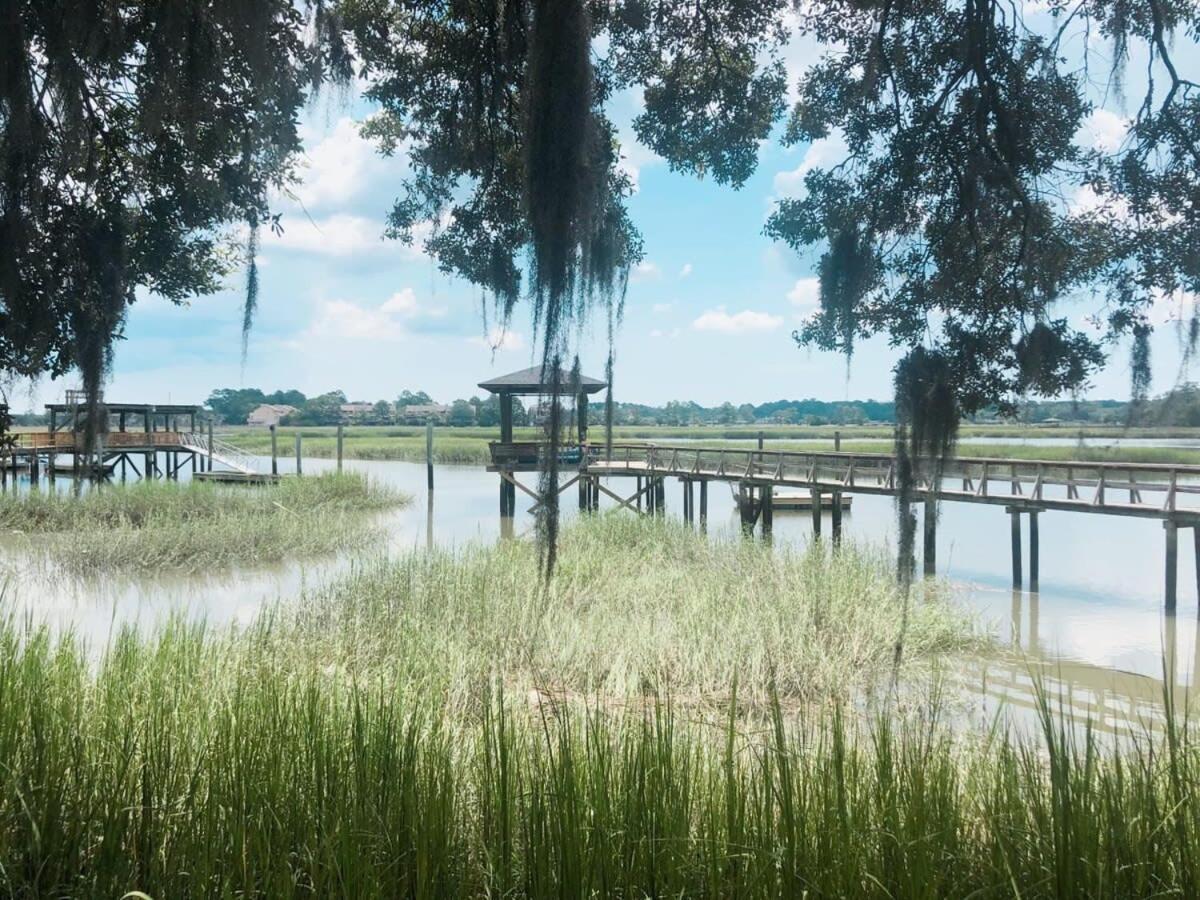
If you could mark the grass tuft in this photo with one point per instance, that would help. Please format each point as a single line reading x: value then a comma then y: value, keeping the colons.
x: 195, y: 526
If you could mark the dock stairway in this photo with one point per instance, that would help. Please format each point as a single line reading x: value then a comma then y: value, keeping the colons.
x: 221, y: 452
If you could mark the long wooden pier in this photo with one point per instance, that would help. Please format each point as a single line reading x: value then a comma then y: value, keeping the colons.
x: 1022, y: 487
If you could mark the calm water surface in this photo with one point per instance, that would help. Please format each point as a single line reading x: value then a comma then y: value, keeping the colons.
x: 1096, y: 628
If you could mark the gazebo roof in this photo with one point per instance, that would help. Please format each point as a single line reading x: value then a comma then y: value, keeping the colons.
x: 530, y: 381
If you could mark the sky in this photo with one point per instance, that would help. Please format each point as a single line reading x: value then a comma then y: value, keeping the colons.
x: 708, y: 317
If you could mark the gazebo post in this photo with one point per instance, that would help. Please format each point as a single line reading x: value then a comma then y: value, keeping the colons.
x: 581, y: 415
x: 508, y: 493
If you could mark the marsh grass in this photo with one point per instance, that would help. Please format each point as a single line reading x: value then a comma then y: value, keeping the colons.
x: 194, y: 526
x: 194, y: 763
x: 376, y: 741
x: 637, y: 605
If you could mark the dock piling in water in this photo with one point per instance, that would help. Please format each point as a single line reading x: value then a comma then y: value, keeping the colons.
x: 1172, y: 573
x: 835, y: 516
x: 1015, y: 516
x: 340, y: 437
x: 929, y: 521
x: 1034, y: 550
x: 274, y: 451
x: 429, y: 464
x: 299, y: 464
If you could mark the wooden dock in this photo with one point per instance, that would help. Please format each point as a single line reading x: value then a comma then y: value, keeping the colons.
x: 148, y: 454
x: 1021, y: 487
x: 232, y: 477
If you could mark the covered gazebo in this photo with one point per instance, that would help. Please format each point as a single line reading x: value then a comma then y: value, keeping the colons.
x: 536, y: 382
x: 508, y: 456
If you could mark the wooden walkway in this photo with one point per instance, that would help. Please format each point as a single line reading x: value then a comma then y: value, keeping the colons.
x: 1022, y: 487
x: 1167, y: 492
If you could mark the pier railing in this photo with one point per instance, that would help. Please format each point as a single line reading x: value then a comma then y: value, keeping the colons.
x: 1126, y: 489
x: 65, y: 441
x: 220, y: 451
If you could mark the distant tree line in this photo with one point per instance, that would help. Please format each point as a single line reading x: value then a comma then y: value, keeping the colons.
x: 233, y: 406
x: 1180, y: 407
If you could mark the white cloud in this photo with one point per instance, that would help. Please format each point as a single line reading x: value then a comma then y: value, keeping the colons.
x: 346, y: 319
x: 338, y: 167
x: 660, y: 308
x: 736, y: 323
x: 1103, y: 130
x: 500, y: 339
x: 402, y: 303
x: 660, y: 333
x: 645, y: 271
x: 805, y: 293
x: 686, y: 270
x: 826, y: 151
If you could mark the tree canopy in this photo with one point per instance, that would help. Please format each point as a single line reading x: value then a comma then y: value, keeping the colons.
x: 131, y: 133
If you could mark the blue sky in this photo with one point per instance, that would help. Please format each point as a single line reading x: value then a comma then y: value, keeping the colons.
x: 708, y: 316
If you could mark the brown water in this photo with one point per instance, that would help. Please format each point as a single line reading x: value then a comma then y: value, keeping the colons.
x: 1096, y: 632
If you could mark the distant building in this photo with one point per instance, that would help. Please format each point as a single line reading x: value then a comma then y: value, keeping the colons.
x: 357, y: 410
x: 420, y: 413
x: 269, y: 414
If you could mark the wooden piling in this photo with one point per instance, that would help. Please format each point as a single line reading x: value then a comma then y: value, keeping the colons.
x: 1172, y: 561
x: 340, y: 438
x: 929, y: 521
x: 1196, y: 545
x: 1034, y: 550
x: 836, y: 517
x: 816, y: 512
x: 274, y: 451
x: 744, y: 506
x: 767, y: 513
x: 704, y: 514
x: 837, y: 442
x: 429, y: 454
x: 1015, y: 517
x: 299, y: 463
x: 211, y: 445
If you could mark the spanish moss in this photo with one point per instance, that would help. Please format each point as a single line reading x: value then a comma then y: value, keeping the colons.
x: 927, y: 419
x: 250, y: 305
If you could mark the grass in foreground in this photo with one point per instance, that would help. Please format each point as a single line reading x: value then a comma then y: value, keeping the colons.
x: 194, y: 526
x: 201, y: 764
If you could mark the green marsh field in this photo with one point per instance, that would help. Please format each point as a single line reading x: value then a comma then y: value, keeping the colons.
x: 468, y: 445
